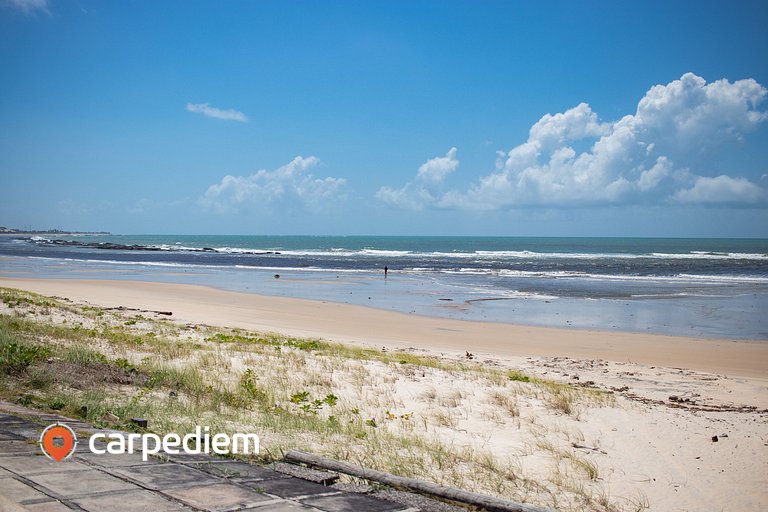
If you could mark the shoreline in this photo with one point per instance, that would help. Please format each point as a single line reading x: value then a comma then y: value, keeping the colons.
x: 370, y: 326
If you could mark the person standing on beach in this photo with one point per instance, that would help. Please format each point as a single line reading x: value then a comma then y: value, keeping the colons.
x: 386, y: 269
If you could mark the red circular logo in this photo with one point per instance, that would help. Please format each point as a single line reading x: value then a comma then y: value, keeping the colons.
x: 58, y: 441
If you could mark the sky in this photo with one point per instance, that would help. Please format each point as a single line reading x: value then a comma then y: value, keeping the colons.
x: 541, y: 118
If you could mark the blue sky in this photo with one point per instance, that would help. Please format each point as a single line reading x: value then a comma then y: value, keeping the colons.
x: 486, y: 118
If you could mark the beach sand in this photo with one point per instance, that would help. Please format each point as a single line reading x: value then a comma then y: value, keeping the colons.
x: 358, y: 324
x: 655, y: 446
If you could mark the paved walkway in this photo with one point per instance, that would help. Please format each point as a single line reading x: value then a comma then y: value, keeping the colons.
x: 29, y: 481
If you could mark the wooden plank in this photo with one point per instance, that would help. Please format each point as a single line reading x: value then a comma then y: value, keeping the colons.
x: 450, y: 493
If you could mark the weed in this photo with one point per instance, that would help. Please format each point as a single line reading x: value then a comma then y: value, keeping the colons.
x: 16, y: 356
x: 300, y: 397
x: 517, y: 376
x: 83, y: 355
x: 506, y: 401
x: 250, y: 388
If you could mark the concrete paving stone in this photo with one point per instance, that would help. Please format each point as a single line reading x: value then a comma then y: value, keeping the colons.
x: 4, y: 473
x: 282, y: 506
x: 70, y: 484
x: 288, y: 487
x: 236, y: 470
x: 18, y: 446
x: 218, y: 497
x: 162, y: 476
x: 15, y: 422
x: 26, y: 465
x: 43, y: 420
x: 130, y: 502
x: 53, y: 418
x: 10, y: 436
x: 112, y: 460
x: 186, y: 458
x: 32, y: 434
x: 18, y: 491
x: 352, y: 503
x: 11, y: 409
x: 48, y: 506
x: 13, y: 425
x: 305, y: 473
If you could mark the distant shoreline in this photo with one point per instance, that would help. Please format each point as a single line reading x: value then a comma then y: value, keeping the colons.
x: 53, y: 233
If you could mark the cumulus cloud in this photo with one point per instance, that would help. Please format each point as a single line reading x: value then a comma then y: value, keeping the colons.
x: 425, y: 190
x: 209, y: 111
x: 28, y: 6
x: 292, y: 183
x: 721, y: 189
x: 436, y: 169
x: 648, y: 156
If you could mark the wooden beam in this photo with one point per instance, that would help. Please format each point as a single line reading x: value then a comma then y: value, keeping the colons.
x: 422, y: 486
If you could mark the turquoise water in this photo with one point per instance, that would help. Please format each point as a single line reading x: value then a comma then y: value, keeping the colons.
x: 428, y: 244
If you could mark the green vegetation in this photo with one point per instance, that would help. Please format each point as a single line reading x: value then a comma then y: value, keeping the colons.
x: 516, y: 376
x: 16, y: 356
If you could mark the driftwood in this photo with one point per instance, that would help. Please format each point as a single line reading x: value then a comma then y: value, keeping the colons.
x: 449, y: 493
x: 584, y: 447
x: 123, y: 308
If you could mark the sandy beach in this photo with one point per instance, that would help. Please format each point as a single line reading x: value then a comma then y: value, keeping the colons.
x: 343, y: 322
x: 650, y: 447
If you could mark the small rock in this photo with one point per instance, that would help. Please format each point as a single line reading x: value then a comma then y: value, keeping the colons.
x: 111, y: 418
x: 714, y: 439
x: 140, y: 422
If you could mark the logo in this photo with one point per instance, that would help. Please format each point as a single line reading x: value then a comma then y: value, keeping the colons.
x: 58, y: 441
x: 192, y: 444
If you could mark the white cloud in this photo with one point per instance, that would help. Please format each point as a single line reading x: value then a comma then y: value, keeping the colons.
x: 436, y: 169
x: 721, y: 189
x: 28, y: 6
x: 648, y: 156
x: 425, y: 190
x: 291, y: 183
x: 208, y: 111
x: 552, y: 131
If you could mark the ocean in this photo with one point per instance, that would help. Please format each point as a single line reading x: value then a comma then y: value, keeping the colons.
x: 697, y: 287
